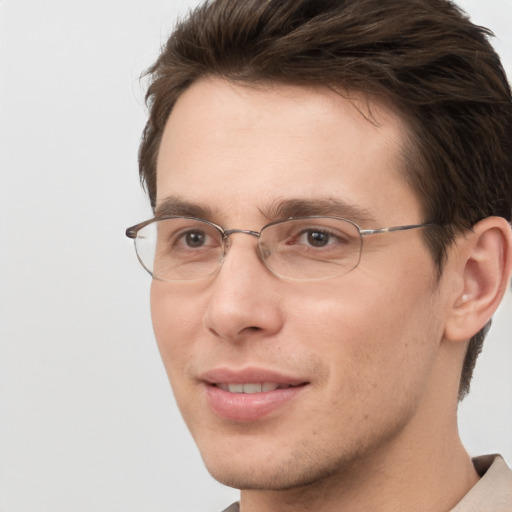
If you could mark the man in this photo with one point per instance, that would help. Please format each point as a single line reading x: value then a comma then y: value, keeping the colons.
x: 332, y: 186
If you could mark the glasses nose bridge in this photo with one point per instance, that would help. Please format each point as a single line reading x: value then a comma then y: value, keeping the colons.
x: 228, y: 232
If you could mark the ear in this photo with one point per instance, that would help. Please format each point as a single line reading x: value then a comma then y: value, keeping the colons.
x: 483, y: 264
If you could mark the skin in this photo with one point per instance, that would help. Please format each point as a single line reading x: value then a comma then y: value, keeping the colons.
x: 378, y: 412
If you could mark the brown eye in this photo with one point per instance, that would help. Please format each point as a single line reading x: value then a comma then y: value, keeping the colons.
x: 318, y: 238
x: 195, y: 239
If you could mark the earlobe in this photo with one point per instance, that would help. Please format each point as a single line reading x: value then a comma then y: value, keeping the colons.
x: 484, y: 263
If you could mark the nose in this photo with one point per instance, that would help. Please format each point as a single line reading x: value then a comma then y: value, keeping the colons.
x: 243, y: 301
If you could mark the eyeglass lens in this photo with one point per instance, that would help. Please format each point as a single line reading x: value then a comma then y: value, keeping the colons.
x: 303, y: 248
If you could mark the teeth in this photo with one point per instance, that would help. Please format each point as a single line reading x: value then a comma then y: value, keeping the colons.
x: 250, y: 387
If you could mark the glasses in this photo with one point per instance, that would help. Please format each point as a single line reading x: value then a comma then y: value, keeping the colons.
x: 298, y: 248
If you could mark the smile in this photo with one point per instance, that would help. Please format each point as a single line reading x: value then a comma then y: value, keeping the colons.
x: 253, y: 387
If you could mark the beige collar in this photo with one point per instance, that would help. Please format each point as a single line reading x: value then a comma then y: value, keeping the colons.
x: 493, y: 492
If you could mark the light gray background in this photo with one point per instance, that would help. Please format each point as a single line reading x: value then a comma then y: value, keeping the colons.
x: 87, y: 420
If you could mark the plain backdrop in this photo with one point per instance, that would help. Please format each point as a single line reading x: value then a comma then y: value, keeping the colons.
x: 87, y: 419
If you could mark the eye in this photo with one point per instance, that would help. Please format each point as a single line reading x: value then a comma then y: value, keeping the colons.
x: 186, y: 237
x: 318, y: 238
x: 194, y: 239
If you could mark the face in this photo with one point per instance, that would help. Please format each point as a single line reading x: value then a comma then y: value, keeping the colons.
x: 334, y: 371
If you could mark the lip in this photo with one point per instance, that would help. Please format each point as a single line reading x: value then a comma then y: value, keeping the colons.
x: 246, y: 407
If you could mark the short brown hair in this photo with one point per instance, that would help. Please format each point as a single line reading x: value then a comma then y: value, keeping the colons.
x: 424, y: 57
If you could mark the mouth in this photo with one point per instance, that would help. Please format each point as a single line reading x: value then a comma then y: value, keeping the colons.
x: 250, y: 388
x: 250, y: 394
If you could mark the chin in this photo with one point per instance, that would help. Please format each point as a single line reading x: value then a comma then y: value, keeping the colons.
x: 278, y: 473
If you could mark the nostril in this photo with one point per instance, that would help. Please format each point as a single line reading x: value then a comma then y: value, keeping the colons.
x: 214, y: 332
x: 217, y: 334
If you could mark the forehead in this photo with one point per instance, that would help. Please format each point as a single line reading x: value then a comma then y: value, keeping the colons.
x: 238, y: 146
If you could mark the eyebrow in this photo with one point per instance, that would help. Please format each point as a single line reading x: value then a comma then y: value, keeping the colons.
x: 173, y: 206
x: 279, y: 209
x: 331, y: 207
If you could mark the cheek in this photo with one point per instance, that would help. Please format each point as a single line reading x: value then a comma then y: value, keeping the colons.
x: 375, y: 339
x: 176, y: 321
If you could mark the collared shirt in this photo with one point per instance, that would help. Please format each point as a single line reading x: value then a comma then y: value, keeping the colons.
x: 492, y: 493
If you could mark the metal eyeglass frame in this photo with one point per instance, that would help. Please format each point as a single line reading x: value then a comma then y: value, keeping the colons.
x: 132, y: 231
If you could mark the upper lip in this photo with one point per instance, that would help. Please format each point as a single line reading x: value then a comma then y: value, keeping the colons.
x: 249, y: 375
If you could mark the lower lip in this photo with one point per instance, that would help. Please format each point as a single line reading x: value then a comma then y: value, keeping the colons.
x: 249, y: 406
